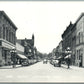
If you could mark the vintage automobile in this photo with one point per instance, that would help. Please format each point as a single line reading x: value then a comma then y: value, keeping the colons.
x: 25, y: 63
x: 54, y: 62
x: 45, y: 61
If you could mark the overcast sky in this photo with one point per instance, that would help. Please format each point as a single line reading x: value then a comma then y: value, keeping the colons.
x: 46, y: 20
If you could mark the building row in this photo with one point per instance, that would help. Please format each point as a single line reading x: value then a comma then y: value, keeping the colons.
x: 11, y: 48
x: 73, y: 37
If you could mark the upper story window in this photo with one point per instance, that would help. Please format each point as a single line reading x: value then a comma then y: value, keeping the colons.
x: 79, y: 37
x: 4, y: 32
x: 0, y: 32
x: 77, y: 55
x: 7, y: 34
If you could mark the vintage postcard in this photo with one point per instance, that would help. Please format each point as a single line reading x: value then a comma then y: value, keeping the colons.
x: 42, y: 41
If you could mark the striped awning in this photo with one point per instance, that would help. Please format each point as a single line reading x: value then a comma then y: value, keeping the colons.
x: 68, y: 56
x: 22, y: 56
x: 59, y: 57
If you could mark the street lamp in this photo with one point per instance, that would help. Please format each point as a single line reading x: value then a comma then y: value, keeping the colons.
x: 68, y: 51
x: 13, y: 52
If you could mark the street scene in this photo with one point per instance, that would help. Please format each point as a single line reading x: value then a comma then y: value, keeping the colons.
x: 39, y: 44
x: 40, y: 72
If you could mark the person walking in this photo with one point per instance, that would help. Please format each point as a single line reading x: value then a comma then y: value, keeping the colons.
x: 68, y: 63
x: 59, y: 63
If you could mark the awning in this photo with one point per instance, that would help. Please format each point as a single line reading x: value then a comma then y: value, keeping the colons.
x: 59, y: 57
x: 22, y: 56
x: 68, y: 56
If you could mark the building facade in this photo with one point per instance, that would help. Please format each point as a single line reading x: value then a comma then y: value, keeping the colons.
x: 53, y: 56
x: 74, y: 38
x: 19, y: 48
x: 69, y: 40
x: 57, y: 53
x: 66, y: 36
x: 60, y: 50
x: 20, y: 57
x: 80, y: 41
x: 29, y: 49
x: 73, y: 43
x: 7, y: 38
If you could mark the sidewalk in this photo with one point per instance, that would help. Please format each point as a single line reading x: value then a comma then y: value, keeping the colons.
x: 71, y: 66
x: 9, y: 67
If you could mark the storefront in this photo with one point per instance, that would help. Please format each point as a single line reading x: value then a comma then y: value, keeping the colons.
x: 80, y: 56
x: 20, y: 53
x: 5, y: 52
x: 7, y: 38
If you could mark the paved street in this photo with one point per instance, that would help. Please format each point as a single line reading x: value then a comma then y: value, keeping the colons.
x: 40, y: 72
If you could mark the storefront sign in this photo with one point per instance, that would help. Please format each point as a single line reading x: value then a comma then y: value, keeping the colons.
x: 7, y: 45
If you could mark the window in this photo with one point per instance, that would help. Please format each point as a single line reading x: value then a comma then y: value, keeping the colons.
x: 77, y: 54
x: 14, y: 38
x: 0, y: 31
x: 6, y: 34
x: 3, y: 32
x: 79, y: 37
x: 9, y: 36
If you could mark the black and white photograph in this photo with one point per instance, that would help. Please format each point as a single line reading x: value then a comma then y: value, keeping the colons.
x: 41, y: 41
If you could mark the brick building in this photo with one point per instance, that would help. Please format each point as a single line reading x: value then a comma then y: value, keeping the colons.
x: 73, y: 37
x: 29, y: 49
x: 20, y: 57
x: 80, y: 41
x: 67, y: 39
x: 73, y: 43
x: 7, y: 38
x: 66, y: 36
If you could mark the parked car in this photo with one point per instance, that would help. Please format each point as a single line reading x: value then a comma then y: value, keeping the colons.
x: 44, y: 61
x: 31, y: 61
x: 51, y: 62
x: 25, y: 63
x: 54, y: 62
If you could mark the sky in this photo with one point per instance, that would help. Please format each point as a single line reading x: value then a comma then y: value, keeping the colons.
x: 47, y: 20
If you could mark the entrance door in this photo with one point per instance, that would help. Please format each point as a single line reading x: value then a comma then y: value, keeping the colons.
x: 4, y: 56
x: 80, y: 61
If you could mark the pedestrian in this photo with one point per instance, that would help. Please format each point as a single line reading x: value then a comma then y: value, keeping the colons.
x: 68, y: 62
x: 59, y: 63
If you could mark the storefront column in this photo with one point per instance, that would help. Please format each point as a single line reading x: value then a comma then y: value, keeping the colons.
x: 76, y: 58
x: 8, y: 57
x: 1, y: 32
x: 83, y: 57
x: 1, y: 56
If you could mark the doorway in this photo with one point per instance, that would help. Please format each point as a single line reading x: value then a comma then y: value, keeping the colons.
x: 80, y: 64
